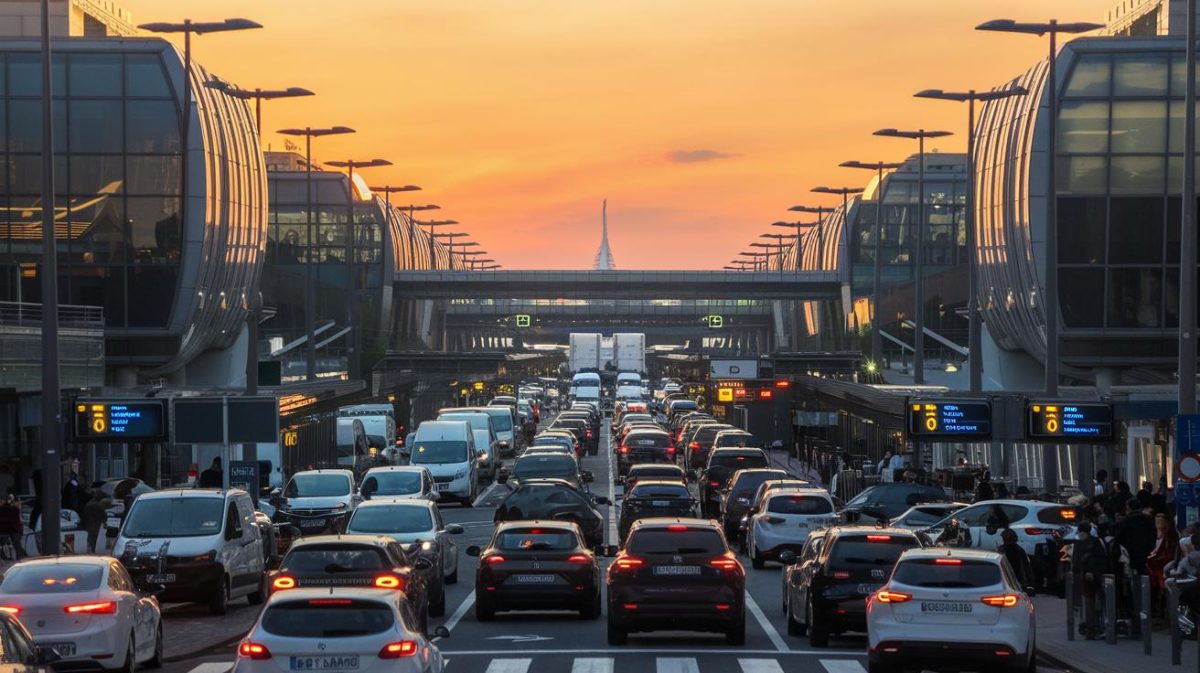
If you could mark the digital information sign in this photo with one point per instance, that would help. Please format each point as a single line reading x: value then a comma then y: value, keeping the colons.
x: 949, y: 419
x: 120, y: 420
x: 1075, y: 420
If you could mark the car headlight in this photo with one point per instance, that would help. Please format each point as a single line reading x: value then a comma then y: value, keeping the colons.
x: 426, y: 545
x: 483, y: 456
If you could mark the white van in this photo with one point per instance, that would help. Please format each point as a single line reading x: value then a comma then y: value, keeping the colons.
x: 352, y: 445
x: 317, y: 501
x: 198, y: 545
x: 487, y: 444
x: 505, y: 432
x: 447, y: 450
x: 585, y: 386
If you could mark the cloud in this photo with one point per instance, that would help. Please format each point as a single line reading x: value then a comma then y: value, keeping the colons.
x: 695, y: 156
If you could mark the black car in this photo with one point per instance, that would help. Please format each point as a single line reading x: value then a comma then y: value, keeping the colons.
x: 652, y: 498
x: 536, y: 565
x: 739, y: 495
x: 555, y: 500
x: 699, y: 442
x: 714, y: 479
x: 655, y: 471
x: 828, y: 594
x: 545, y: 466
x: 581, y: 428
x: 644, y: 445
x: 883, y: 502
x: 676, y: 574
x: 360, y: 561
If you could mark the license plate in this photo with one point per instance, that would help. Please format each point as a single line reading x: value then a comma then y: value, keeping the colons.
x: 676, y: 570
x: 161, y: 579
x: 660, y: 503
x: 535, y: 579
x: 62, y: 649
x: 443, y: 487
x: 325, y: 663
x: 946, y: 607
x: 645, y: 442
x: 312, y: 523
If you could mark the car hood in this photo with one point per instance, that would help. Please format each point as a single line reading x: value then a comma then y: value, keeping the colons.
x: 318, y: 503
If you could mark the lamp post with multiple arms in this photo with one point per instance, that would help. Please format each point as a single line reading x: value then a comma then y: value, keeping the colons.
x: 799, y: 237
x: 845, y: 193
x: 1050, y: 301
x: 819, y: 211
x: 257, y: 95
x: 919, y: 272
x: 387, y: 191
x: 310, y: 309
x: 771, y: 249
x: 779, y: 240
x: 756, y: 255
x: 464, y: 245
x: 974, y: 328
x: 433, y: 225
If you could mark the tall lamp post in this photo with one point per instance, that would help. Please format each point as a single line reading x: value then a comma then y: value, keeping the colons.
x: 819, y: 211
x: 771, y: 249
x: 310, y: 309
x: 465, y: 244
x: 845, y: 193
x: 799, y: 237
x: 257, y: 95
x: 387, y: 191
x: 433, y: 225
x: 974, y: 328
x: 779, y: 240
x: 1050, y: 266
x: 919, y: 272
x: 756, y: 257
x: 1187, y: 239
x: 879, y: 167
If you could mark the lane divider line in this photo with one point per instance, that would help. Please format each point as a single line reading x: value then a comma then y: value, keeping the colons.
x: 460, y: 611
x: 767, y: 626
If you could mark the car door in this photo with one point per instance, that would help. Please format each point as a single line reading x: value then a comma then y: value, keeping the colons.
x: 130, y: 616
x: 805, y: 572
x: 256, y: 563
x: 445, y: 543
x: 235, y: 534
x: 999, y: 517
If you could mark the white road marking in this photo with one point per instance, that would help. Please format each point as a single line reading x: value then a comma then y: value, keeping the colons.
x: 760, y: 666
x: 460, y: 612
x: 486, y: 492
x: 613, y: 510
x: 767, y: 626
x: 843, y: 666
x: 676, y: 665
x: 592, y: 665
x: 736, y: 651
x: 213, y: 667
x: 509, y: 666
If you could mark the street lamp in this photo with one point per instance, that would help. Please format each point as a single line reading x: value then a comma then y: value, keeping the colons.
x: 311, y: 303
x: 771, y: 248
x: 756, y: 256
x: 779, y: 239
x: 799, y: 227
x: 452, y: 245
x: 919, y: 291
x: 845, y: 192
x: 819, y: 211
x: 387, y: 191
x: 1050, y: 302
x: 974, y: 331
x: 432, y: 224
x: 258, y: 95
x: 878, y: 167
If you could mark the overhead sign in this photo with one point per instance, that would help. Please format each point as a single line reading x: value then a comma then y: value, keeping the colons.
x: 524, y: 320
x: 714, y: 321
x: 949, y: 419
x: 1070, y: 420
x: 120, y: 420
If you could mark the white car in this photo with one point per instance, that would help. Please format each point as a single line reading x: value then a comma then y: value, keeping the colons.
x: 397, y: 482
x: 920, y: 517
x: 933, y: 592
x: 361, y: 630
x: 787, y: 517
x: 86, y: 609
x: 418, y: 526
x: 980, y: 525
x: 318, y: 501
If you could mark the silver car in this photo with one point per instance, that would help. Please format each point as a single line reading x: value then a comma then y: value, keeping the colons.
x: 416, y: 524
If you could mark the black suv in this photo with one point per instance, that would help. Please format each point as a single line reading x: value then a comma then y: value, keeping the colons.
x: 738, y: 497
x: 545, y: 466
x: 714, y: 479
x: 644, y: 445
x: 650, y: 498
x: 676, y: 574
x: 555, y: 500
x: 883, y: 502
x: 828, y: 595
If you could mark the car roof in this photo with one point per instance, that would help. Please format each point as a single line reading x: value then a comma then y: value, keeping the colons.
x: 397, y: 468
x: 348, y: 473
x: 657, y: 482
x: 351, y: 538
x: 661, y: 522
x: 530, y: 523
x: 646, y: 429
x: 312, y: 593
x: 191, y: 493
x: 547, y: 482
x: 646, y: 467
x: 796, y: 490
x: 753, y: 470
x: 82, y: 559
x: 1022, y: 503
x: 422, y: 504
x: 951, y: 552
x: 861, y: 531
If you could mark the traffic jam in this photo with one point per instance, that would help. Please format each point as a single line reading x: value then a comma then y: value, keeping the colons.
x: 643, y: 517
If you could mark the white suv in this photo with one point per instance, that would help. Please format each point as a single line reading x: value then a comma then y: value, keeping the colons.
x: 934, y: 592
x: 980, y: 525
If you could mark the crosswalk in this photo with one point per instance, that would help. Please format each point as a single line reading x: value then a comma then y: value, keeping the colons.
x: 631, y: 662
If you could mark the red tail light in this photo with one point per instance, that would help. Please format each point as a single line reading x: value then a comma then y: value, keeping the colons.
x: 726, y: 562
x: 670, y: 449
x: 886, y: 596
x: 253, y: 650
x: 13, y: 610
x: 624, y: 449
x: 391, y: 582
x: 947, y: 562
x: 398, y: 650
x: 105, y: 608
x: 713, y: 483
x: 1035, y: 531
x: 694, y: 446
x: 841, y: 575
x: 879, y: 538
x: 677, y: 528
x: 493, y: 559
x: 1001, y: 601
x: 628, y: 563
x: 579, y: 558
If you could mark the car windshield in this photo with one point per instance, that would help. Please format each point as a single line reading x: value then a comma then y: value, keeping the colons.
x: 531, y: 539
x: 392, y: 483
x: 919, y: 516
x: 799, y: 504
x: 544, y: 466
x: 439, y: 452
x: 175, y: 517
x: 751, y: 482
x: 587, y: 393
x: 56, y: 578
x: 332, y: 558
x: 663, y: 541
x: 327, y: 618
x: 874, y: 550
x: 391, y: 519
x: 947, y: 573
x: 503, y: 423
x: 317, y: 486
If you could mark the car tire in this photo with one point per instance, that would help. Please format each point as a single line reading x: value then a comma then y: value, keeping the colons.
x: 468, y: 501
x: 437, y: 608
x: 484, y: 612
x: 130, y: 664
x: 736, y: 636
x: 260, y: 595
x: 616, y: 635
x: 156, y: 661
x: 756, y: 560
x: 219, y: 604
x: 794, y: 627
x: 818, y: 631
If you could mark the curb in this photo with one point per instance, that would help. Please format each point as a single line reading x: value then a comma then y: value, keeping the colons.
x: 175, y: 658
x: 1039, y: 653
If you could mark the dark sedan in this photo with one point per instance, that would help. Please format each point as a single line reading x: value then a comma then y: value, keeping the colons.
x: 555, y: 500
x: 651, y: 498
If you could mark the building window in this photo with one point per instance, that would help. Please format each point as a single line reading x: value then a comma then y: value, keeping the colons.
x: 1081, y: 230
x: 1083, y: 126
x: 1135, y: 297
x: 1090, y: 77
x: 1140, y: 75
x: 1135, y: 230
x: 1081, y: 305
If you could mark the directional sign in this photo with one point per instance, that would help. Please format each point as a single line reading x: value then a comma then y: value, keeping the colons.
x: 120, y: 420
x: 1072, y: 420
x: 949, y: 419
x: 1187, y: 468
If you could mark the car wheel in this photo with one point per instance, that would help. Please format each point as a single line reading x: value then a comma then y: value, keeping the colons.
x: 437, y: 608
x: 130, y: 657
x: 260, y: 595
x: 469, y: 501
x: 794, y: 628
x: 156, y: 661
x: 756, y: 559
x: 736, y: 636
x: 616, y: 635
x: 484, y: 612
x: 818, y: 632
x: 219, y: 604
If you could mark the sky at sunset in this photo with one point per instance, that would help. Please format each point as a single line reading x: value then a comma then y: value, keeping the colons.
x: 701, y: 121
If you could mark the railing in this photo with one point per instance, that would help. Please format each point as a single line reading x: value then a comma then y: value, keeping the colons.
x: 25, y: 314
x: 80, y: 345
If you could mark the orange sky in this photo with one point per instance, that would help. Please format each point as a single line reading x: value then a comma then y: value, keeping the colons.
x: 701, y: 121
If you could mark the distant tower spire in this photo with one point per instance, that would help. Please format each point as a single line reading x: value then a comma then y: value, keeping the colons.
x: 604, y: 256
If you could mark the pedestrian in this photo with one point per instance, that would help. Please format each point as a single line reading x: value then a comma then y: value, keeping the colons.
x: 11, y: 530
x: 983, y: 492
x: 1099, y: 488
x: 36, y: 512
x: 1166, y: 546
x: 95, y: 517
x: 1136, y: 533
x: 213, y: 477
x: 1089, y: 562
x: 73, y: 496
x: 1017, y: 558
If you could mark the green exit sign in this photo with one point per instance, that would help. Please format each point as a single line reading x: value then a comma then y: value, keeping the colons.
x: 524, y: 320
x: 714, y: 321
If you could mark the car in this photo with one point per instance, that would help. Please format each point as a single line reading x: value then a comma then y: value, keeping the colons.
x: 374, y: 561
x: 548, y: 450
x: 447, y: 449
x: 532, y: 565
x: 797, y: 561
x: 555, y: 500
x: 883, y: 502
x: 970, y: 593
x: 655, y: 471
x: 733, y: 437
x: 316, y: 501
x: 722, y: 463
x: 362, y: 630
x: 698, y: 439
x: 625, y: 429
x: 785, y: 520
x: 419, y: 528
x: 673, y: 574
x: 644, y: 445
x: 487, y: 440
x: 87, y: 610
x: 980, y: 525
x: 828, y: 596
x: 739, y: 495
x: 545, y: 466
x: 921, y: 517
x: 397, y: 482
x: 579, y: 428
x: 630, y: 417
x: 653, y: 498
x: 502, y: 425
x: 21, y: 654
x: 562, y: 439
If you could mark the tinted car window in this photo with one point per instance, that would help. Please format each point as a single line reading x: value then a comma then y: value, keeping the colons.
x: 327, y: 618
x: 398, y: 519
x: 751, y: 482
x: 860, y: 551
x: 799, y: 504
x: 740, y: 461
x: 735, y: 440
x: 550, y: 539
x: 175, y: 517
x: 659, y: 541
x: 393, y: 483
x: 52, y: 579
x: 947, y: 573
x: 660, y: 491
x: 333, y: 559
x: 317, y: 486
x: 655, y: 472
x: 550, y: 465
x: 439, y: 452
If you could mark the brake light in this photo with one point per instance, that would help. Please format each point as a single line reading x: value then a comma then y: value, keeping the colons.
x: 253, y: 650
x: 886, y: 596
x: 283, y: 582
x: 330, y: 601
x: 841, y: 575
x: 694, y: 446
x: 713, y: 483
x: 1068, y: 514
x: 628, y: 563
x: 493, y: 559
x: 578, y: 558
x: 105, y: 608
x: 624, y: 449
x: 1034, y: 531
x: 879, y: 538
x: 13, y: 610
x: 391, y: 582
x: 726, y: 562
x: 670, y: 449
x: 399, y: 649
x: 947, y: 562
x: 677, y: 528
x: 723, y: 606
x: 1001, y: 601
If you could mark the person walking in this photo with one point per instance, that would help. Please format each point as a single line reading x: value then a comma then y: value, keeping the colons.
x: 1017, y: 558
x: 95, y: 517
x: 1136, y: 533
x: 10, y: 524
x: 213, y: 477
x: 1089, y: 562
x: 1166, y: 546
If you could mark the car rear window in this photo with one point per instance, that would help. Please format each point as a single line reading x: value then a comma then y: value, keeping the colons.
x: 1059, y: 515
x: 751, y: 482
x: 740, y: 461
x: 799, y: 504
x: 327, y: 618
x: 658, y: 472
x: 548, y: 465
x: 656, y: 440
x: 660, y: 491
x: 947, y: 573
x: 331, y: 559
x: 52, y: 579
x: 530, y: 539
x: 688, y: 540
x: 734, y: 440
x: 869, y: 550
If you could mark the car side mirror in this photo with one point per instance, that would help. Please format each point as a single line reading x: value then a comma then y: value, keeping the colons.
x: 422, y: 563
x: 441, y: 632
x: 787, y: 557
x: 474, y: 550
x: 454, y: 529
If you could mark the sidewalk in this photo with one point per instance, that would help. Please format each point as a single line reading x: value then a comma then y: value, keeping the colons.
x: 189, y: 630
x: 785, y: 461
x: 1097, y: 656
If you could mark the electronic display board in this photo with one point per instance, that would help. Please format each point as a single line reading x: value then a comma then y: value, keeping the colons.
x: 1073, y: 420
x: 120, y: 420
x: 949, y: 419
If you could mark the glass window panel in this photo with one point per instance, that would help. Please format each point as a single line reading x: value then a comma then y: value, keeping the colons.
x: 97, y: 173
x: 154, y: 229
x: 25, y: 74
x: 104, y: 286
x: 332, y: 235
x: 1083, y: 126
x: 95, y: 126
x: 95, y: 74
x: 151, y: 295
x: 154, y: 174
x: 1179, y: 74
x: 98, y: 230
x: 1135, y: 226
x: 1137, y: 175
x: 151, y: 127
x: 1175, y: 126
x: 1175, y: 174
x: 1082, y: 175
x: 1139, y: 126
x: 1140, y: 75
x: 899, y: 191
x: 329, y: 191
x: 1081, y: 230
x: 1080, y: 302
x: 144, y: 76
x: 1089, y: 77
x: 25, y: 126
x: 1135, y: 297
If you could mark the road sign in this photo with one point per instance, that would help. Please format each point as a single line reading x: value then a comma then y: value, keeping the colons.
x: 1187, y: 446
x: 1187, y: 468
x: 524, y: 320
x: 243, y: 474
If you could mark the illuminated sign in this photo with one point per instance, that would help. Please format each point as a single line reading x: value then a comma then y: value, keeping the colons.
x: 766, y: 394
x: 524, y: 320
x: 714, y: 321
x: 477, y: 386
x: 1076, y: 420
x: 929, y: 419
x: 120, y: 420
x: 291, y: 439
x: 724, y: 394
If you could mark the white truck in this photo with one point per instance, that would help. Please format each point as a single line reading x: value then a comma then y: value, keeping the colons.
x: 629, y: 352
x: 585, y: 353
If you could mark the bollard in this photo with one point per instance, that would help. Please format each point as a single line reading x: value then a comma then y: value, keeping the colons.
x: 1173, y: 623
x: 1110, y: 609
x: 1144, y: 614
x: 1069, y: 589
x: 1135, y: 600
